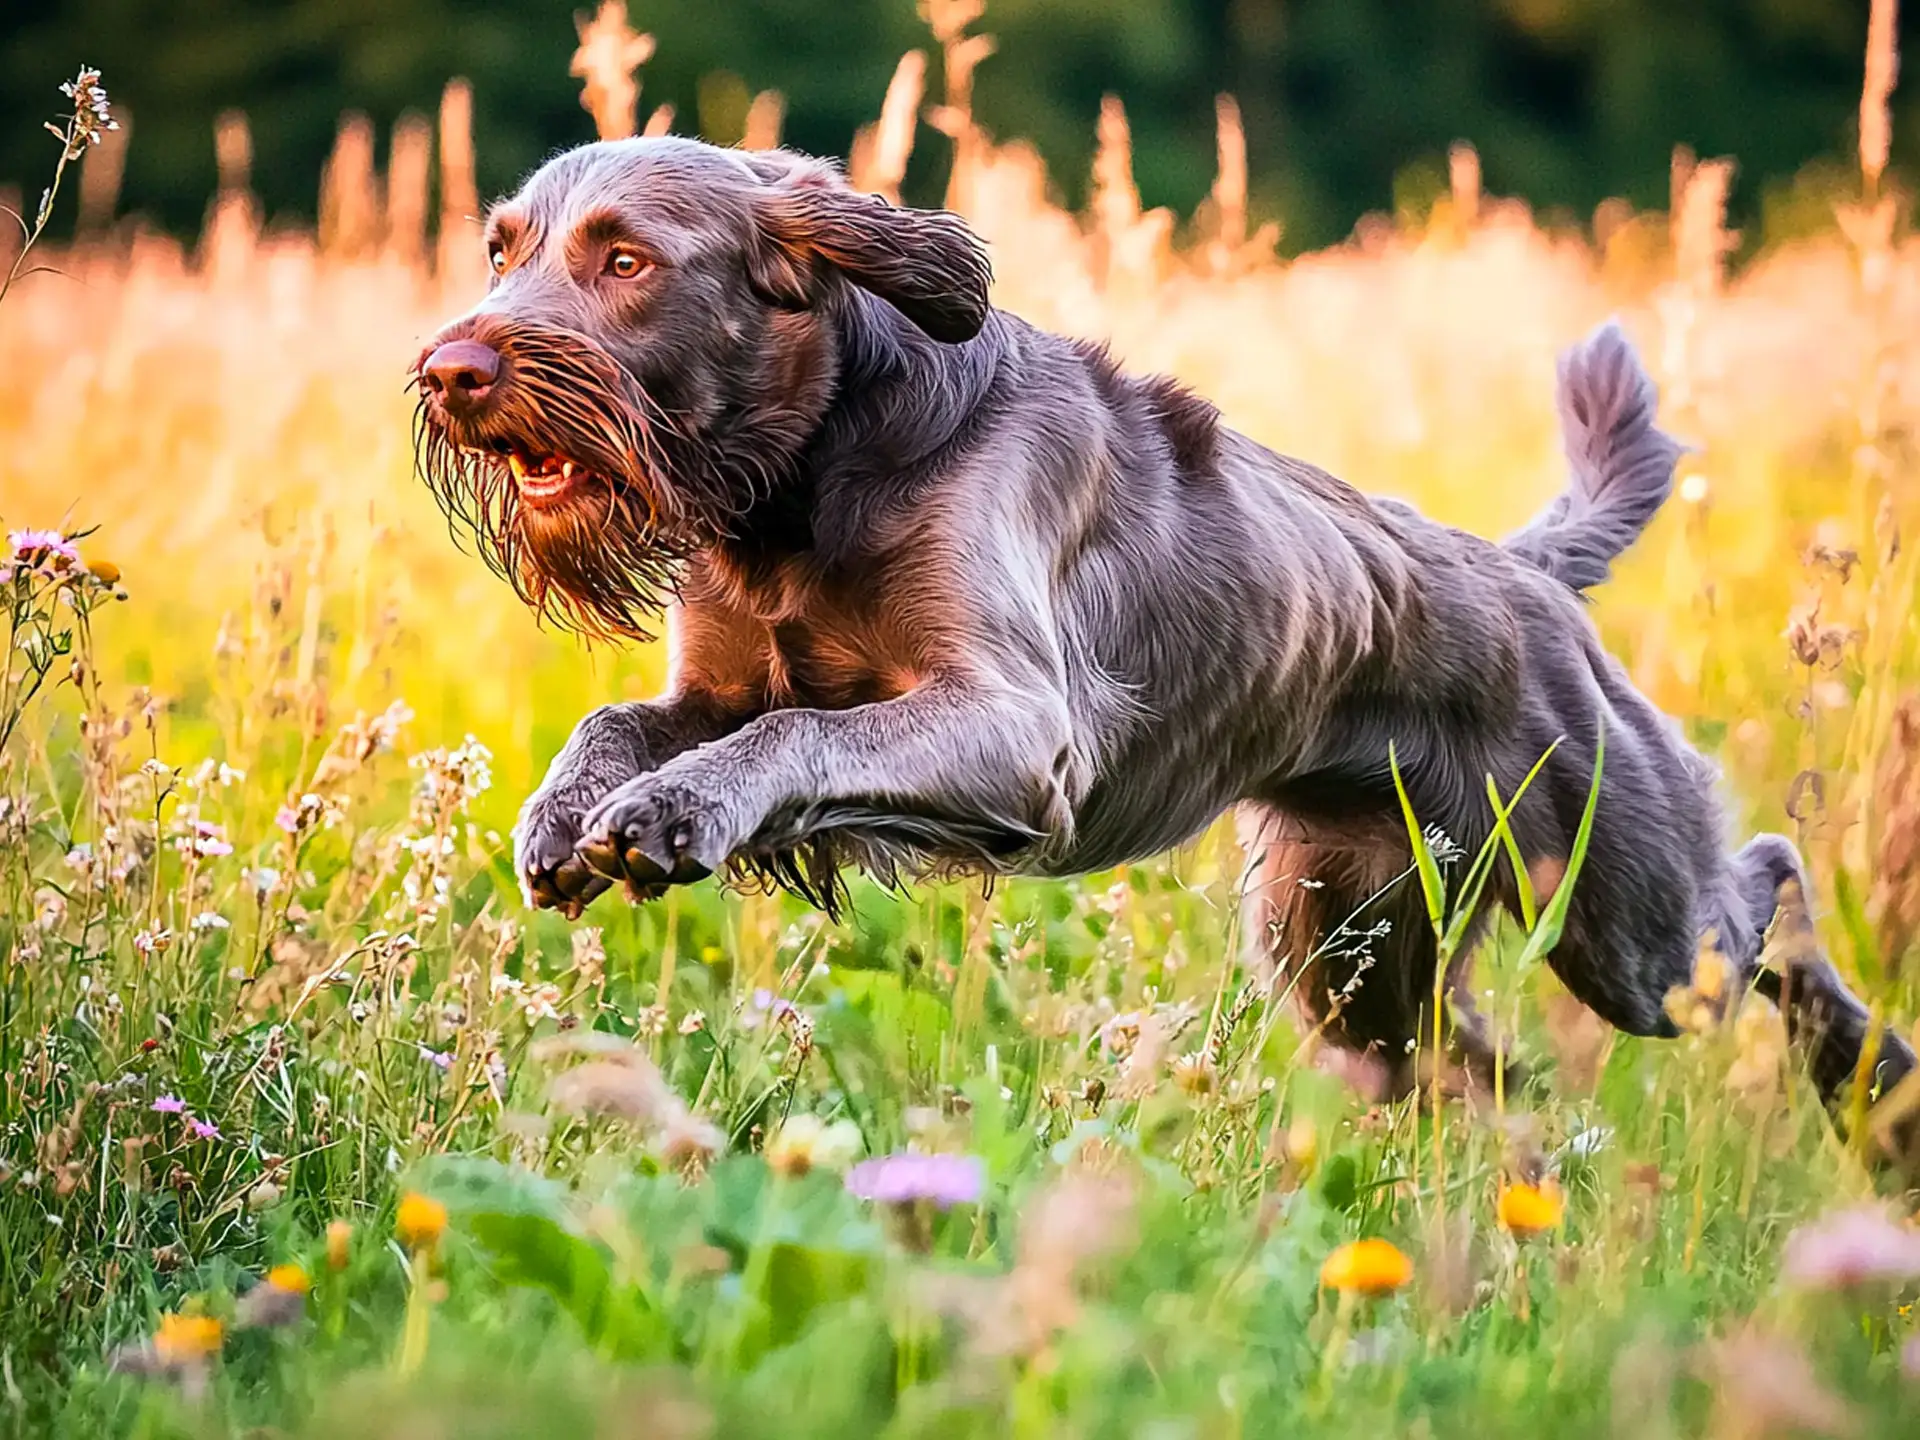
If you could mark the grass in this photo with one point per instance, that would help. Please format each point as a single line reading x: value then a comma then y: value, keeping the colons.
x: 253, y: 878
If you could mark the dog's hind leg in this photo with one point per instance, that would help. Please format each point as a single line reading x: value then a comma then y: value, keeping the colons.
x: 1822, y: 1014
x: 1341, y: 926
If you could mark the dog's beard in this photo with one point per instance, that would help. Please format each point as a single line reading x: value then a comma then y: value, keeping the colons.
x: 574, y: 485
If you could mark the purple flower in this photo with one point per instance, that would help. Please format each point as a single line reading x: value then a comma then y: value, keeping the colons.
x: 37, y: 546
x: 766, y: 1002
x: 202, y: 1130
x: 170, y: 1105
x: 1861, y: 1246
x: 442, y: 1058
x: 288, y: 819
x: 946, y: 1180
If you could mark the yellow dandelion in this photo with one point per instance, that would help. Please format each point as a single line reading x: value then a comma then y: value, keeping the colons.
x: 1529, y: 1210
x: 1366, y: 1267
x: 290, y: 1278
x: 185, y: 1339
x: 420, y: 1221
x: 339, y: 1239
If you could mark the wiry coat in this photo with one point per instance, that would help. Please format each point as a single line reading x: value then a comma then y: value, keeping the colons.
x: 950, y: 592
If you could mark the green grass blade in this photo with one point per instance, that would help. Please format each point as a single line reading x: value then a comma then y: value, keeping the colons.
x: 1546, y: 934
x: 1429, y: 868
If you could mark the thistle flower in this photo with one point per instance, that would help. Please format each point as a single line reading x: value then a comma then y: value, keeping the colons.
x: 1366, y: 1267
x: 419, y: 1222
x: 169, y: 1105
x: 203, y: 1129
x: 280, y: 1299
x: 906, y: 1178
x: 1529, y: 1210
x: 1851, y: 1248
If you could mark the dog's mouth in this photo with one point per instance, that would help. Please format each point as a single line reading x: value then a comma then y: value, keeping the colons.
x: 540, y: 476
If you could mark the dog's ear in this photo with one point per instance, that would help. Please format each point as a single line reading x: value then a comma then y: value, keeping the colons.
x: 925, y: 263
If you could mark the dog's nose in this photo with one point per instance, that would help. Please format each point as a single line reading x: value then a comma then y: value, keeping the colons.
x: 460, y: 373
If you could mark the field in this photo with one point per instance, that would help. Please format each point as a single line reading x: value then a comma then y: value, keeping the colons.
x: 307, y: 1127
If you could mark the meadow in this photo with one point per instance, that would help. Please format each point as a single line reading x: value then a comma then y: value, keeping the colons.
x: 308, y: 1127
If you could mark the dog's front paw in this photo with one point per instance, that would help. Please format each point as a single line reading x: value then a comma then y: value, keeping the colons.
x: 661, y: 830
x: 552, y: 875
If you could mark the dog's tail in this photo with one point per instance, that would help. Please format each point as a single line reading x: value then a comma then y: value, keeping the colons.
x: 1621, y: 463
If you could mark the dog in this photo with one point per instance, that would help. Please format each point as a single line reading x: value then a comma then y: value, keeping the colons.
x: 944, y: 592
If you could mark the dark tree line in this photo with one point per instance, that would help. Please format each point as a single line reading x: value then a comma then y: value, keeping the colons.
x: 1568, y: 101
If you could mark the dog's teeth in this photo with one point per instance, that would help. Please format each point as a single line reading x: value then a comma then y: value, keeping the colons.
x: 517, y: 465
x: 566, y: 470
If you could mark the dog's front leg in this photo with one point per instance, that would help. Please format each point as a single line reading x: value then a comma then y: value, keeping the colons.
x: 608, y: 747
x: 956, y: 757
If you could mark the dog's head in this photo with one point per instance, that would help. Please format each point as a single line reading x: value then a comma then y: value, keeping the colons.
x: 663, y: 334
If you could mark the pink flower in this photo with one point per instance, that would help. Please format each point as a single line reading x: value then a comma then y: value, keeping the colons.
x: 901, y: 1179
x: 170, y: 1105
x: 202, y: 1130
x: 288, y: 819
x: 37, y: 547
x: 1851, y: 1247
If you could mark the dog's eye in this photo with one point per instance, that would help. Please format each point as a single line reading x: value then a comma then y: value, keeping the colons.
x: 497, y: 258
x: 625, y: 265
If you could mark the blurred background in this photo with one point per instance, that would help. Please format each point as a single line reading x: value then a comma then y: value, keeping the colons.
x: 1349, y: 105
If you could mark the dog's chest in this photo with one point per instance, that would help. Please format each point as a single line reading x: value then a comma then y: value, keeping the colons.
x: 830, y: 649
x: 832, y: 667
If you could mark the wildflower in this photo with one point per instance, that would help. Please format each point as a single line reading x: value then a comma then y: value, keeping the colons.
x: 589, y: 954
x: 902, y: 1179
x: 265, y: 881
x: 291, y: 1278
x: 45, y: 550
x: 203, y: 1130
x: 208, y: 920
x: 806, y: 1143
x: 710, y: 955
x: 169, y: 1105
x: 278, y: 1300
x: 419, y: 1222
x: 149, y: 943
x: 650, y: 1020
x: 541, y: 1002
x: 626, y: 1086
x: 1120, y: 1034
x: 1529, y: 1210
x: 183, y: 1339
x: 694, y: 1022
x: 1196, y: 1073
x: 339, y: 1239
x: 439, y: 1059
x: 765, y: 1002
x: 1765, y: 1385
x: 1850, y: 1248
x: 1366, y: 1267
x: 688, y: 1141
x: 288, y: 819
